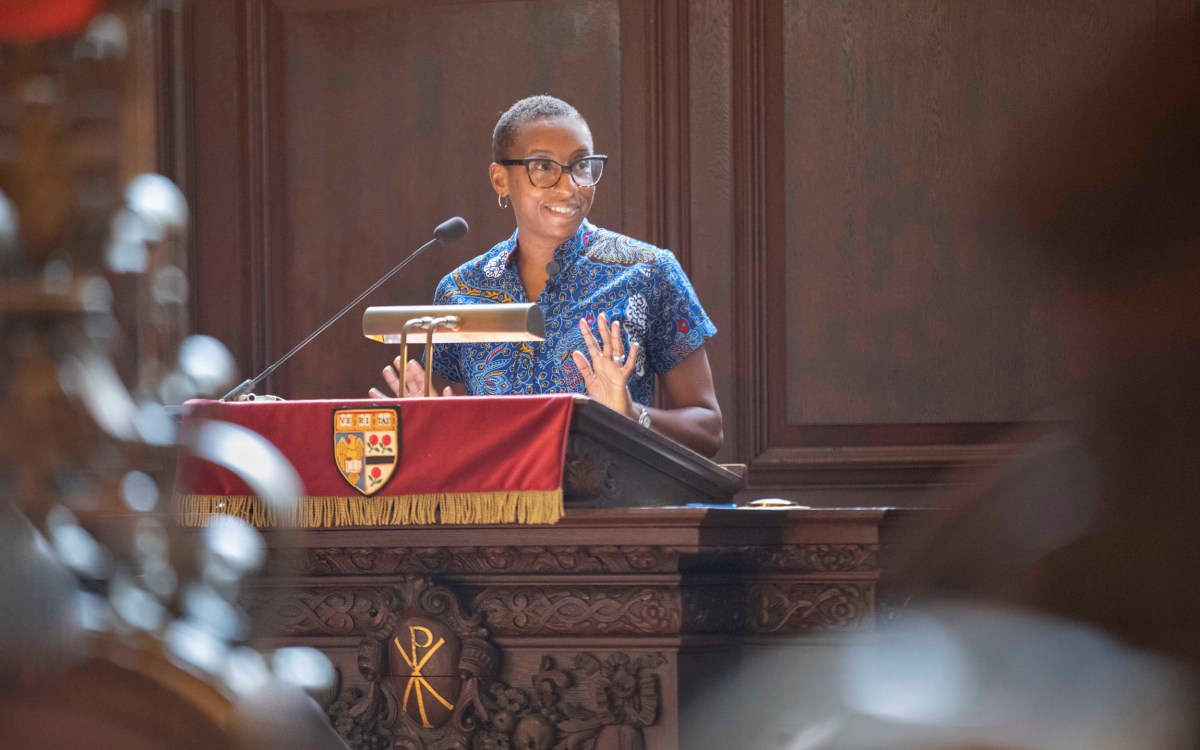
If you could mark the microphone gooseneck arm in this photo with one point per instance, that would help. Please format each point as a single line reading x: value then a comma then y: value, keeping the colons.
x: 446, y: 232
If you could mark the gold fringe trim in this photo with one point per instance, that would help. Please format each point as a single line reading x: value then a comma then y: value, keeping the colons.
x: 523, y: 507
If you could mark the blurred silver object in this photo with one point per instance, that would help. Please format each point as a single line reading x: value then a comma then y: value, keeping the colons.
x: 959, y: 675
x: 109, y: 615
x: 40, y: 625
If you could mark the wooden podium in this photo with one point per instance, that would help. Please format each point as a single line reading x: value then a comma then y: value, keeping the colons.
x: 608, y: 630
x: 611, y: 465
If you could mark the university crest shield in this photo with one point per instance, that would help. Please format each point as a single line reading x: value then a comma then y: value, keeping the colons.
x: 366, y: 446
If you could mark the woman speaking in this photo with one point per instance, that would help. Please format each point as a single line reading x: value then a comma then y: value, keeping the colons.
x: 619, y: 312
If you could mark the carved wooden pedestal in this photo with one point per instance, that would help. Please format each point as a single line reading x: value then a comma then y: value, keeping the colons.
x: 598, y: 632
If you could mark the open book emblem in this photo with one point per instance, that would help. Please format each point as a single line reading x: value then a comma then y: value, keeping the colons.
x: 366, y: 446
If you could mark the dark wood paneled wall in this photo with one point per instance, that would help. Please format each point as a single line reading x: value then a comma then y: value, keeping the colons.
x: 827, y: 171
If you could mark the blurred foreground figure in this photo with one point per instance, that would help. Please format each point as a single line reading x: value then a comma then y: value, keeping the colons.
x: 1056, y: 606
x: 115, y: 630
x: 961, y: 676
x: 1098, y: 521
x: 967, y: 675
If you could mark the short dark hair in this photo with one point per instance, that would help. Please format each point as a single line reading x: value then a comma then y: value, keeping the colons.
x: 527, y: 110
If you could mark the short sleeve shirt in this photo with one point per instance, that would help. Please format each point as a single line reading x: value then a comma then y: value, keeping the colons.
x: 641, y: 286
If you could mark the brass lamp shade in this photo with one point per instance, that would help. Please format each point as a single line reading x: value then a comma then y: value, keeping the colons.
x: 453, y: 324
x: 463, y: 323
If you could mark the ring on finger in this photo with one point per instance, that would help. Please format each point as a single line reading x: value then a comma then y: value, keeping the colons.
x: 619, y: 359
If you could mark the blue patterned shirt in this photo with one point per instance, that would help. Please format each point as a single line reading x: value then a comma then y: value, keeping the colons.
x: 638, y: 284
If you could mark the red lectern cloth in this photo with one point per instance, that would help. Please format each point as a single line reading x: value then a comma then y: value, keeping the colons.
x: 462, y: 460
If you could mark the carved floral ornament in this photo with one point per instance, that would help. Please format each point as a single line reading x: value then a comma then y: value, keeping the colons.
x: 604, y: 610
x: 496, y: 559
x: 432, y: 684
x: 809, y: 608
x: 808, y: 558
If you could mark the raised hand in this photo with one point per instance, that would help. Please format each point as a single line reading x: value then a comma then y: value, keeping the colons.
x: 607, y: 374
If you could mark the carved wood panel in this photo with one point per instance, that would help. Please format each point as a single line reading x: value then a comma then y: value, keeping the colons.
x: 584, y: 699
x: 460, y: 561
x: 580, y: 591
x: 913, y: 297
x: 602, y: 630
x: 894, y: 319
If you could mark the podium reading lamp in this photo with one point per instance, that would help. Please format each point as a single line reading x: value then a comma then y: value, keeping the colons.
x: 453, y: 324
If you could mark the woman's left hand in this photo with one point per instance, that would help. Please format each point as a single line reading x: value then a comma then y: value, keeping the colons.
x: 608, y: 372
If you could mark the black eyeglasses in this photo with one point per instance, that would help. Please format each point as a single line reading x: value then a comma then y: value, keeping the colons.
x: 545, y: 173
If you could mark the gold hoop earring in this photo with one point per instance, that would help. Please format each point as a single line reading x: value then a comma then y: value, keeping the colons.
x: 503, y: 201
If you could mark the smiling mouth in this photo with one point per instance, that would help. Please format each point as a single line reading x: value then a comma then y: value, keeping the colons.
x: 563, y: 210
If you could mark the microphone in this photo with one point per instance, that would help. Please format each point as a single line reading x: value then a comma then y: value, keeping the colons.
x: 448, y: 231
